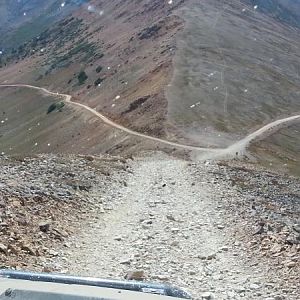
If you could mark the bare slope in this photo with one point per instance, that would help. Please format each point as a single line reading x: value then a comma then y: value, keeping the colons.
x: 26, y: 127
x: 124, y: 48
x: 236, y: 70
x: 112, y: 48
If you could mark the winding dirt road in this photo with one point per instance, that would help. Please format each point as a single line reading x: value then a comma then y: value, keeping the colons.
x: 238, y: 147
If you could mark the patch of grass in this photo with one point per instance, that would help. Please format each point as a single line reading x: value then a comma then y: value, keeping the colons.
x: 99, y: 69
x: 149, y: 32
x: 83, y: 50
x: 82, y: 77
x: 55, y: 106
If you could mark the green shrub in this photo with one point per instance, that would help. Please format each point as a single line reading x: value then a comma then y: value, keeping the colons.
x: 98, y: 81
x: 82, y: 77
x: 60, y: 105
x: 51, y: 108
x: 99, y: 69
x: 55, y: 106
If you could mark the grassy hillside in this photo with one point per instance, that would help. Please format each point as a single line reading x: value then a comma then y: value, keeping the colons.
x: 28, y: 126
x: 125, y: 54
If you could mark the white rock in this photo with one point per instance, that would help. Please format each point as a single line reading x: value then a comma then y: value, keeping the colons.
x: 207, y: 295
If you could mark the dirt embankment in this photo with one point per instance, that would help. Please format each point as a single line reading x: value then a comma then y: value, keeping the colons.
x: 44, y: 200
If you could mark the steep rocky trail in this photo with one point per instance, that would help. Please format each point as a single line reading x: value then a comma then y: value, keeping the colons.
x: 168, y: 223
x: 220, y: 231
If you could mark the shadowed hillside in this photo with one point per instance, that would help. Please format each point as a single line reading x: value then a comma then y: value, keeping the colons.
x: 22, y: 20
x: 287, y: 11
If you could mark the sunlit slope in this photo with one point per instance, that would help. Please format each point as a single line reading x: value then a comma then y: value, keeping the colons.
x: 234, y: 72
x: 280, y: 151
x: 123, y: 49
x: 26, y: 128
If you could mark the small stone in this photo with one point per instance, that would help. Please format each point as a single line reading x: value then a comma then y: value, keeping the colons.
x: 296, y: 227
x: 28, y: 249
x: 47, y: 270
x: 290, y: 264
x: 220, y: 226
x: 53, y: 253
x: 148, y: 222
x: 138, y: 275
x: 207, y: 295
x: 231, y: 294
x: 254, y: 286
x: 118, y: 238
x: 224, y: 249
x: 174, y: 230
x: 161, y: 277
x: 13, y: 250
x: 125, y: 261
x: 3, y: 249
x: 208, y: 257
x: 259, y: 230
x: 44, y: 226
x: 171, y: 218
x: 240, y: 289
x: 191, y: 272
x: 292, y: 240
x: 175, y: 243
x: 211, y: 256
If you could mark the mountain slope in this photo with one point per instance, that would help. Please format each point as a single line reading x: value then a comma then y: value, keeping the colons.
x: 287, y: 11
x: 237, y: 69
x: 22, y: 20
x: 124, y: 50
x: 206, y: 73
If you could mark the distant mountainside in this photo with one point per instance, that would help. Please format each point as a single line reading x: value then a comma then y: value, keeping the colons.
x: 114, y: 55
x: 21, y: 20
x: 205, y: 73
x: 287, y: 11
x: 16, y: 12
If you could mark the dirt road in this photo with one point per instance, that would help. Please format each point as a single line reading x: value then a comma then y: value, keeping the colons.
x: 165, y: 223
x: 238, y: 148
